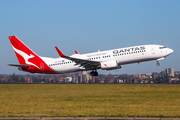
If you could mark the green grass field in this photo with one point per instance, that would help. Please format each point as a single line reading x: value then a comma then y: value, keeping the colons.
x: 94, y: 100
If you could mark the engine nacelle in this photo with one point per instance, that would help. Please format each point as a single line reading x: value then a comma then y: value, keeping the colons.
x: 110, y: 65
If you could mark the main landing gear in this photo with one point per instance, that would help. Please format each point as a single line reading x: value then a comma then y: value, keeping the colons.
x: 94, y: 73
x: 157, y: 63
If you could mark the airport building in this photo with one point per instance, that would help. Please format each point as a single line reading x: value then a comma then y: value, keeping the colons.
x: 170, y: 72
x: 84, y: 77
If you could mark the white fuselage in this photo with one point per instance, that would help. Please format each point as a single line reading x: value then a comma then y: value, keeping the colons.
x: 121, y: 56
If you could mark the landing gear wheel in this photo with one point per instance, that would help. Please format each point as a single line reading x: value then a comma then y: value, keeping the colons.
x: 91, y: 73
x: 94, y: 73
x: 157, y: 63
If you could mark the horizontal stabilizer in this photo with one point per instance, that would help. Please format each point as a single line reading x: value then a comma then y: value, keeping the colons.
x: 21, y: 66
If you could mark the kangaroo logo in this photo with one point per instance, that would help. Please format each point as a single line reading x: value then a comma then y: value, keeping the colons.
x: 25, y: 56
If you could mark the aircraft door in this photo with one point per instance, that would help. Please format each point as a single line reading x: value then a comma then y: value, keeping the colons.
x: 153, y: 50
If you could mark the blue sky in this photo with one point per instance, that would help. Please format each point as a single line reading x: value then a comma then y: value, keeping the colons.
x: 89, y: 26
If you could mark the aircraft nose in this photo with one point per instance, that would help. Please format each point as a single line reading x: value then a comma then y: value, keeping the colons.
x: 170, y: 51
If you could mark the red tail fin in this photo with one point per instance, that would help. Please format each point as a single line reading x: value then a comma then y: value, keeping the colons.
x: 27, y: 57
x: 23, y: 53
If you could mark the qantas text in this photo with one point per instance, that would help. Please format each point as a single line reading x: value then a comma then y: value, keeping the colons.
x: 128, y: 50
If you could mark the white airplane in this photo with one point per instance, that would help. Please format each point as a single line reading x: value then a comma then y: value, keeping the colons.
x: 105, y: 60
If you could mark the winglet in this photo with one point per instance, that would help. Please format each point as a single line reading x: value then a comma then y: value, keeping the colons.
x: 76, y: 52
x: 59, y: 52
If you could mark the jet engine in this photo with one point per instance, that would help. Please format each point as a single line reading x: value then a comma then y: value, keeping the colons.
x: 110, y: 65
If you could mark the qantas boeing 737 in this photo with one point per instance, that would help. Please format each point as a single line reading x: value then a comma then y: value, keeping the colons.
x: 105, y: 60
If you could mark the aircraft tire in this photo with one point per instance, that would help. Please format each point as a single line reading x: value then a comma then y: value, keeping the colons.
x: 157, y: 64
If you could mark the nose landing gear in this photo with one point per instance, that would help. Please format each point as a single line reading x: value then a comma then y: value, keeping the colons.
x: 94, y: 73
x: 157, y: 63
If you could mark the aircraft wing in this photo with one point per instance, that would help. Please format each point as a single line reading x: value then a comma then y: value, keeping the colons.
x: 78, y: 61
x: 22, y: 66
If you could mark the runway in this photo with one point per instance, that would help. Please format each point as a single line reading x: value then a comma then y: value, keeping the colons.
x: 85, y: 118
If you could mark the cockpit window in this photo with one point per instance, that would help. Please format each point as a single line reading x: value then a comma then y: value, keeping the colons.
x: 162, y: 47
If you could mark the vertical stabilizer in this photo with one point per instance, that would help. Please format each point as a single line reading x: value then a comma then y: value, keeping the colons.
x: 27, y: 57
